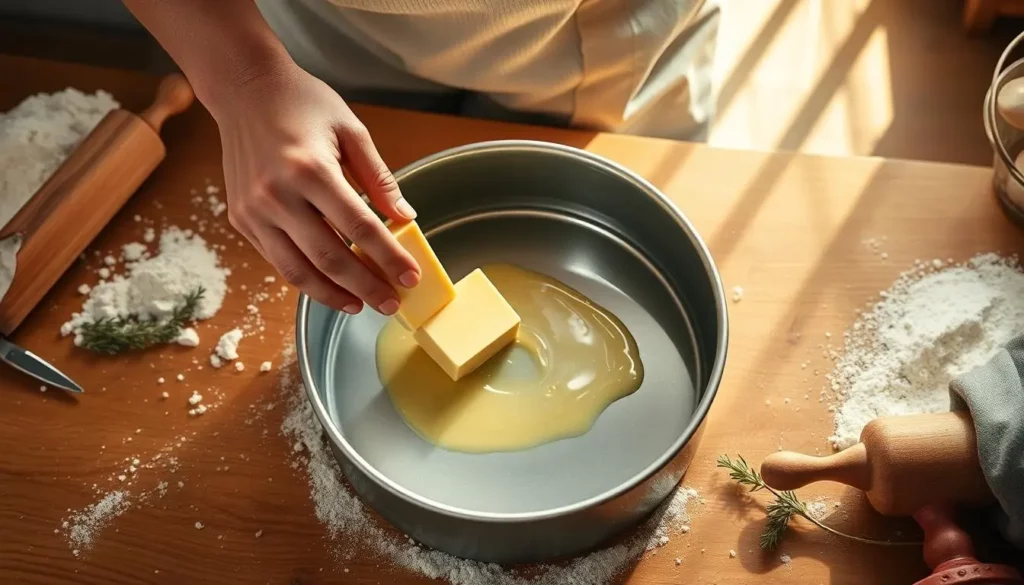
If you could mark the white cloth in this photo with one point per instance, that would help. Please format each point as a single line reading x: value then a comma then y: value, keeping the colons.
x: 633, y: 66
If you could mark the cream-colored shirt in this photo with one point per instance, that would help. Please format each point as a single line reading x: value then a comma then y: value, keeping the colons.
x: 634, y: 66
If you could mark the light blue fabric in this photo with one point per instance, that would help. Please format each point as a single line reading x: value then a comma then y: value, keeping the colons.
x: 994, y: 394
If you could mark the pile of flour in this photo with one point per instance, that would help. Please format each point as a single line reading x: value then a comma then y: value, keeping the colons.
x: 35, y: 138
x: 352, y: 529
x: 9, y: 248
x: 38, y: 135
x: 152, y: 287
x: 936, y: 322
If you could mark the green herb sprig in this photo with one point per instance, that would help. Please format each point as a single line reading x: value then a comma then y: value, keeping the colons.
x: 114, y: 336
x: 785, y: 506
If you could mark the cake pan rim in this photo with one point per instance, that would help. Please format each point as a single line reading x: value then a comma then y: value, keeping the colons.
x: 709, y: 389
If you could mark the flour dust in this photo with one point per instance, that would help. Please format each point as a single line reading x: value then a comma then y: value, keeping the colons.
x: 937, y: 321
x: 83, y: 527
x: 352, y: 528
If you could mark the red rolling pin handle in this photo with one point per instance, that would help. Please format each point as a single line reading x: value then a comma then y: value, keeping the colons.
x: 949, y: 552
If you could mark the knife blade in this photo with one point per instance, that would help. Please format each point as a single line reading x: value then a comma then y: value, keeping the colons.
x: 22, y: 359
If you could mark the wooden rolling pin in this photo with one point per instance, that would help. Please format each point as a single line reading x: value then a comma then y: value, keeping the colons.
x: 903, y: 463
x: 83, y: 194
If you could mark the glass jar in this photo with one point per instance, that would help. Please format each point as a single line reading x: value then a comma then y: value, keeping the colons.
x: 1007, y: 142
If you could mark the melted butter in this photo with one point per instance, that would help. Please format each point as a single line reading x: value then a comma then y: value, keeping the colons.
x: 570, y: 361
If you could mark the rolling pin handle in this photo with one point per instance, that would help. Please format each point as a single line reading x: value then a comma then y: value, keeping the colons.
x: 173, y: 96
x: 944, y: 541
x: 788, y: 471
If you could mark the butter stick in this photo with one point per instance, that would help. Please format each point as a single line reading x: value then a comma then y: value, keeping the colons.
x: 435, y: 289
x: 471, y: 329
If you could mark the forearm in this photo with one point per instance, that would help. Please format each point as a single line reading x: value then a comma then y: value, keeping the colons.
x: 220, y: 45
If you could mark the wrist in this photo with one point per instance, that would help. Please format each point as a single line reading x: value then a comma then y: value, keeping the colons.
x: 219, y: 86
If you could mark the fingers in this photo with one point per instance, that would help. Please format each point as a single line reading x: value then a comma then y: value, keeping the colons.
x: 294, y: 267
x: 324, y: 185
x: 364, y: 162
x: 329, y: 254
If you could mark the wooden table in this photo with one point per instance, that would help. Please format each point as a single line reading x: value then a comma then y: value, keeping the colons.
x: 789, y: 229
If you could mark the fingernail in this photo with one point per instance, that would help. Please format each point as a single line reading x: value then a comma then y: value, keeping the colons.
x: 389, y: 307
x: 409, y: 279
x: 353, y: 309
x: 406, y: 210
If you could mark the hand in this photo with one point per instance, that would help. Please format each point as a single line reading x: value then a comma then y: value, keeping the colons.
x: 285, y: 136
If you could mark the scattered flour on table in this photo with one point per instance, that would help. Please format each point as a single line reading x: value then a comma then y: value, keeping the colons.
x: 83, y: 527
x: 152, y: 288
x: 737, y: 294
x: 821, y: 508
x: 133, y: 251
x: 148, y: 287
x: 188, y: 337
x: 217, y: 206
x: 936, y: 322
x: 123, y: 491
x: 352, y: 528
x: 227, y: 345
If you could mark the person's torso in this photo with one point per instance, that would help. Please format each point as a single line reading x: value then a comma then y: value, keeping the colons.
x: 591, y: 60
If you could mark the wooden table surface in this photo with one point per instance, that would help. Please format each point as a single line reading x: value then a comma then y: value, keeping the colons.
x: 789, y: 229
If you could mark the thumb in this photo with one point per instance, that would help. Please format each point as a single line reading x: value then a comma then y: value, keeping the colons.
x: 369, y: 170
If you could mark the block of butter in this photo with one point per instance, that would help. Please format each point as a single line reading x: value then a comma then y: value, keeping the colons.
x: 471, y: 329
x: 435, y: 289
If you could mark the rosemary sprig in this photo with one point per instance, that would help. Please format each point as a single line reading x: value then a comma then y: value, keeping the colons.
x: 113, y: 336
x: 785, y: 506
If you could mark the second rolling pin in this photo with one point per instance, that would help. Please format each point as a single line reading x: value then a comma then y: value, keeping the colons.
x: 82, y: 196
x: 902, y: 463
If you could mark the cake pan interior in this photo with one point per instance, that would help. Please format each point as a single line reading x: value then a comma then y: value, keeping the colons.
x: 593, y: 232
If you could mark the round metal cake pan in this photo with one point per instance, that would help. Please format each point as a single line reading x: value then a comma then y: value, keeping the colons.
x: 609, y: 234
